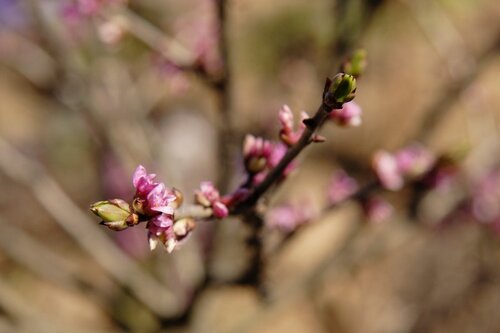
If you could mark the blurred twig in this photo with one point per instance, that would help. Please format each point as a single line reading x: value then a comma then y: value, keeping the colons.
x: 85, y: 231
x: 462, y: 68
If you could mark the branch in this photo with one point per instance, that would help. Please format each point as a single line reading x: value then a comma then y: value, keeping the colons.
x: 275, y: 174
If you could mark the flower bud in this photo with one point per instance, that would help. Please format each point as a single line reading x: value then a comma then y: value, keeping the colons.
x: 341, y: 90
x: 111, y: 210
x: 183, y: 227
x: 356, y: 64
x: 201, y: 199
x: 256, y: 164
x: 179, y: 198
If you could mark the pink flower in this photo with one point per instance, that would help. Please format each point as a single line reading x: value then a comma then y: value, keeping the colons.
x: 152, y: 198
x: 143, y: 182
x: 160, y: 230
x: 208, y: 196
x: 349, y: 115
x: 387, y: 170
x: 341, y: 187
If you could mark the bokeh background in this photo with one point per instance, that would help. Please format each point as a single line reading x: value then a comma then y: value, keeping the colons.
x: 84, y: 100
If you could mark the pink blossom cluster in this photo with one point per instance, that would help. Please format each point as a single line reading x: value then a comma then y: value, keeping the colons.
x: 156, y: 203
x: 260, y: 156
x: 410, y: 162
x: 208, y: 196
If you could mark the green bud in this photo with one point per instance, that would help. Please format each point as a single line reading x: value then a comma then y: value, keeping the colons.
x: 341, y: 90
x: 111, y: 210
x: 356, y: 64
x: 114, y: 213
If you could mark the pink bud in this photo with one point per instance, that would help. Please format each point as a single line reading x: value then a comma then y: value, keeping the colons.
x: 220, y: 210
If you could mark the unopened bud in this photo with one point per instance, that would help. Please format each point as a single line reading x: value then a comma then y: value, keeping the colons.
x: 201, y: 199
x: 356, y: 64
x: 179, y: 198
x: 182, y: 227
x: 256, y: 164
x: 138, y: 206
x: 341, y: 90
x: 115, y: 225
x: 111, y: 210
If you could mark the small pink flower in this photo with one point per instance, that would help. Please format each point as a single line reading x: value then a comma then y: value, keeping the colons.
x: 387, y: 170
x: 160, y: 230
x: 208, y: 196
x: 143, y: 182
x: 341, y: 187
x: 349, y: 115
x: 152, y: 198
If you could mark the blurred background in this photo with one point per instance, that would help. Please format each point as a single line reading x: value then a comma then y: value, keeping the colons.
x: 90, y: 89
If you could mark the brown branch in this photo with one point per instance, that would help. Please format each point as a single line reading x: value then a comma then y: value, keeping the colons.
x: 275, y: 174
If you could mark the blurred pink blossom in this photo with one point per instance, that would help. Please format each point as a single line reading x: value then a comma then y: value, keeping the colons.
x: 377, y: 210
x: 341, y: 187
x: 385, y: 166
x: 287, y: 218
x: 349, y: 115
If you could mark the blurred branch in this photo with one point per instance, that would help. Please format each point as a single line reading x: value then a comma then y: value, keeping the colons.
x: 29, y: 318
x: 157, y: 40
x: 223, y: 94
x: 440, y: 108
x: 85, y: 231
x: 463, y: 69
x: 359, y: 195
x: 351, y: 20
x: 25, y: 250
